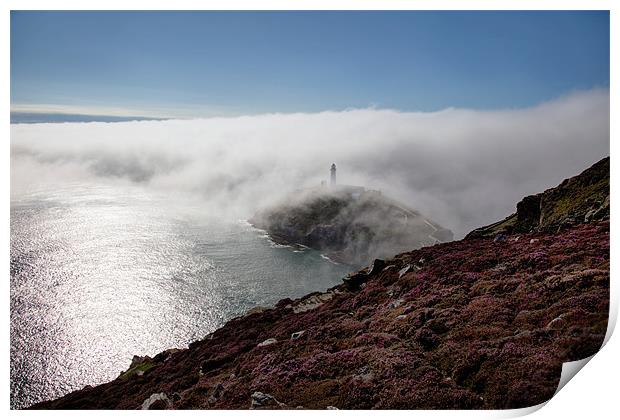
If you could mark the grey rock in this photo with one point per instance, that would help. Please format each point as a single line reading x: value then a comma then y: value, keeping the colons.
x: 312, y: 302
x: 404, y: 270
x: 297, y: 334
x: 396, y: 303
x: 262, y: 400
x: 268, y: 342
x: 158, y: 401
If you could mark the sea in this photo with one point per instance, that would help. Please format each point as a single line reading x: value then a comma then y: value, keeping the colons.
x: 99, y: 273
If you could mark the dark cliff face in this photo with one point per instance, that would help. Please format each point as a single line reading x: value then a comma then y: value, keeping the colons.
x: 351, y: 228
x: 579, y: 199
x: 479, y: 323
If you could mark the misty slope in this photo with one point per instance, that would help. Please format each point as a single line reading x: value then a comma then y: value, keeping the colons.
x: 477, y: 323
x: 351, y: 227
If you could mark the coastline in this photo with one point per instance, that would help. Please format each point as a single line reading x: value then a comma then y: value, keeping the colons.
x: 401, y: 320
x: 481, y: 323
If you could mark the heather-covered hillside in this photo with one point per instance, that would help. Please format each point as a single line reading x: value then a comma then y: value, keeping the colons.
x: 479, y: 323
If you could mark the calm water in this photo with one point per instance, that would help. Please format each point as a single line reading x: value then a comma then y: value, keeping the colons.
x: 99, y: 274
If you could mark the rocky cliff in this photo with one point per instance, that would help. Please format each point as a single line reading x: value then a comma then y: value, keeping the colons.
x: 579, y: 199
x: 478, y: 323
x: 351, y: 227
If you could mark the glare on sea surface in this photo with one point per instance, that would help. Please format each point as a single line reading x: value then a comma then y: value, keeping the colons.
x: 99, y: 274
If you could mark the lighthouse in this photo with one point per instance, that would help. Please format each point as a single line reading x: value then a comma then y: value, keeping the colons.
x: 333, y: 174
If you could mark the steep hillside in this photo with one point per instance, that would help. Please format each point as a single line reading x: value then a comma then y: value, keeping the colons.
x: 579, y: 199
x: 478, y: 323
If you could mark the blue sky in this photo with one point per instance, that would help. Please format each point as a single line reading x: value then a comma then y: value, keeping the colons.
x: 232, y: 63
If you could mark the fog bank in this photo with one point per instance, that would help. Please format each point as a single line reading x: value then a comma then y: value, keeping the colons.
x: 462, y: 168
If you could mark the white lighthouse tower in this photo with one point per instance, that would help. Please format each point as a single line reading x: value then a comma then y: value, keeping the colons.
x: 333, y: 174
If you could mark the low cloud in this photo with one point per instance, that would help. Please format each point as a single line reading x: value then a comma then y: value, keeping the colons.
x: 462, y: 168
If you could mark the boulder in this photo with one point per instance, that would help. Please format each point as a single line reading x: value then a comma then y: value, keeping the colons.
x: 312, y: 301
x: 159, y: 401
x: 528, y: 212
x: 376, y: 267
x: 406, y: 269
x: 267, y: 342
x: 297, y: 334
x: 261, y: 400
x: 354, y: 281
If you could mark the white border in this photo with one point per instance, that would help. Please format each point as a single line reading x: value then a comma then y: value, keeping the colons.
x: 592, y: 393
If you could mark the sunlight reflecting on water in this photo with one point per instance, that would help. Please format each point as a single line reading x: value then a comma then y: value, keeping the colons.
x: 100, y: 274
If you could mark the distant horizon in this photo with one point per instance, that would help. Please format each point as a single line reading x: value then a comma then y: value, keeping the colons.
x: 45, y: 115
x: 59, y: 117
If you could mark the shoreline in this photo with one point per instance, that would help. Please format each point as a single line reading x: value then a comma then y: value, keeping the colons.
x: 480, y: 323
x: 393, y: 315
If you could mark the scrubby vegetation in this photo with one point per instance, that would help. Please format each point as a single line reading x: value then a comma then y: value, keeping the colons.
x: 479, y: 323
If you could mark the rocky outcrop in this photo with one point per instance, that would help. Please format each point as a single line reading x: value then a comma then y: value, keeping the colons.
x: 472, y: 324
x: 352, y: 229
x: 583, y: 198
x: 355, y: 280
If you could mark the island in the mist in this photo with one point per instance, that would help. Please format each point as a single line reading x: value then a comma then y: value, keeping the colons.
x: 485, y: 322
x: 351, y: 224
